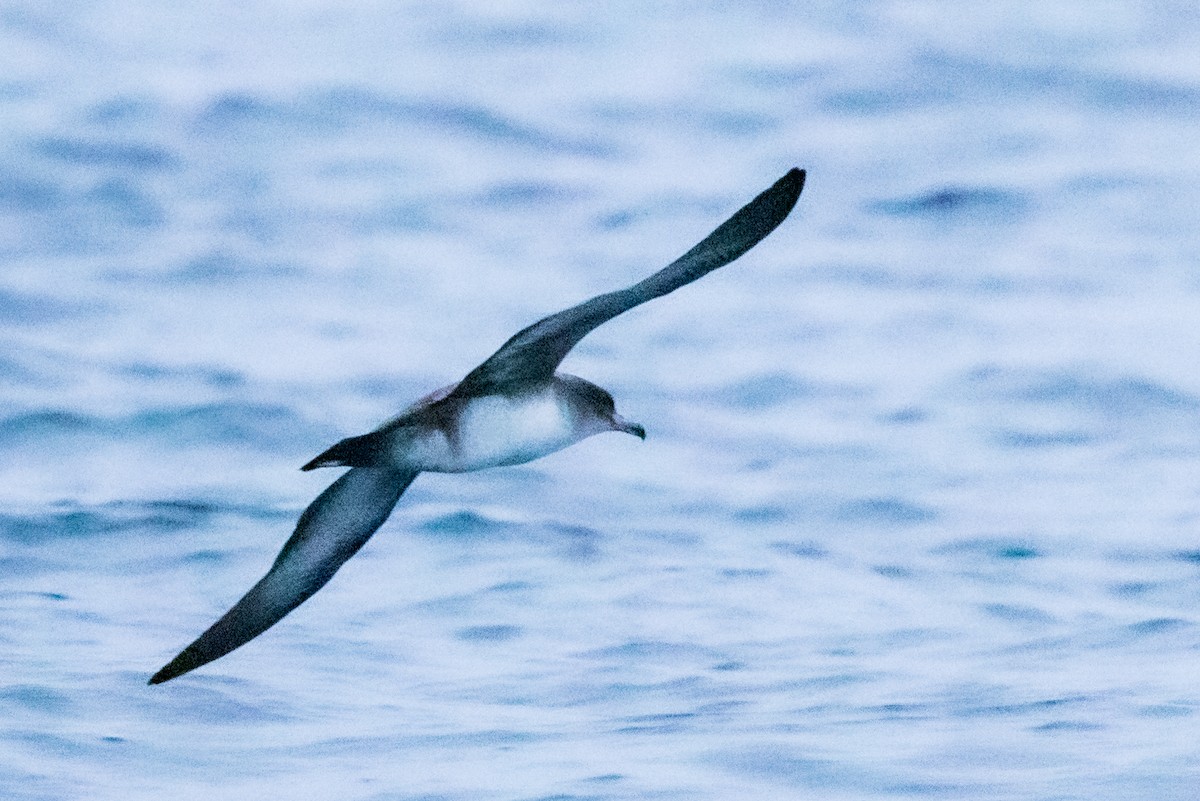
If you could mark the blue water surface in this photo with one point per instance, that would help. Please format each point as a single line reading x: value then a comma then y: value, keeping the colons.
x: 918, y: 515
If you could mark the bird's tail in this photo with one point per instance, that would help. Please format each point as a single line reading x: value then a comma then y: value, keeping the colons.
x: 362, y: 451
x: 330, y: 531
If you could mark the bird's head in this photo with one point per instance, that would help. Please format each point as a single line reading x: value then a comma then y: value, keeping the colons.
x: 598, y: 407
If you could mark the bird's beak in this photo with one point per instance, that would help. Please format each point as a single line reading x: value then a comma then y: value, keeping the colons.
x: 621, y: 424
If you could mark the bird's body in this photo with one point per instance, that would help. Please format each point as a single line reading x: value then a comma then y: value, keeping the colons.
x: 512, y: 408
x: 445, y: 433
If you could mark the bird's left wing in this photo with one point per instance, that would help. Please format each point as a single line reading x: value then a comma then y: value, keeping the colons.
x: 534, y: 353
x: 330, y: 531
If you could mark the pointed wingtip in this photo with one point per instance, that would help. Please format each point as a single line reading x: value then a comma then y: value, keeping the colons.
x: 181, y: 664
x: 794, y: 181
x: 160, y: 677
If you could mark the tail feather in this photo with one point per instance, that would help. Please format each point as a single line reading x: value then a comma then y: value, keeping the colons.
x: 361, y: 451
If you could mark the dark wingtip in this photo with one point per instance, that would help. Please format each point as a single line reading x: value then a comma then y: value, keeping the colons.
x: 168, y: 672
x: 794, y: 181
x: 350, y: 452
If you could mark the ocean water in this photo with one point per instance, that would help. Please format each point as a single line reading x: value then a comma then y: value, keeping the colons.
x: 918, y: 515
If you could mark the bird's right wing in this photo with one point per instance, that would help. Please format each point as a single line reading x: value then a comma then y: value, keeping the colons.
x: 330, y: 531
x: 534, y: 353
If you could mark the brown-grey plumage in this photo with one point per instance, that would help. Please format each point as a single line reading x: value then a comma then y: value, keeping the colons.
x: 534, y: 353
x: 331, y: 530
x: 510, y: 409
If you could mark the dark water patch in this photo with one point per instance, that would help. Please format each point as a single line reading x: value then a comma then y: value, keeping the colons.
x: 469, y: 35
x: 22, y: 308
x: 885, y: 99
x: 1192, y: 557
x: 121, y: 203
x: 55, y: 597
x: 909, y: 638
x: 217, y: 267
x: 1121, y: 397
x: 1017, y: 613
x: 1158, y: 625
x: 124, y: 109
x: 394, y: 216
x: 68, y: 520
x: 776, y: 77
x: 250, y: 425
x: 1022, y: 708
x: 1132, y: 589
x: 880, y: 277
x: 653, y: 651
x: 35, y: 529
x: 618, y: 220
x: 213, y: 268
x: 494, y: 633
x: 829, y: 681
x: 1125, y: 397
x: 784, y: 766
x: 738, y: 124
x: 1068, y: 726
x: 804, y: 550
x: 466, y: 525
x: 885, y: 511
x: 206, y: 557
x: 35, y: 698
x: 897, y: 711
x: 992, y: 548
x: 209, y: 699
x: 606, y: 778
x: 765, y: 391
x: 1035, y: 440
x: 761, y: 514
x: 348, y: 108
x: 893, y: 571
x: 44, y: 743
x: 937, y: 79
x: 956, y: 203
x: 35, y: 426
x: 120, y: 154
x: 909, y: 415
x: 575, y: 543
x: 661, y: 723
x: 511, y: 586
x: 216, y: 377
x: 485, y: 124
x: 232, y: 110
x: 462, y: 741
x: 1178, y: 710
x: 779, y: 764
x: 526, y: 194
x: 742, y: 573
x: 30, y: 195
x: 1092, y: 89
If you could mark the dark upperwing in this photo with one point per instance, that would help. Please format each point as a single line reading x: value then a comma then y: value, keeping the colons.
x: 533, y: 354
x: 330, y: 531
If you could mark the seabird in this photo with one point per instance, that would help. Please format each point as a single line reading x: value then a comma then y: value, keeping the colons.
x: 511, y: 409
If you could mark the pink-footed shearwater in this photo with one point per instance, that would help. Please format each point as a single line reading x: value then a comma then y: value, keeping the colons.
x: 513, y: 408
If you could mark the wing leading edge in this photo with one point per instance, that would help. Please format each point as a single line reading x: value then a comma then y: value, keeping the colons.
x: 331, y: 530
x: 534, y: 353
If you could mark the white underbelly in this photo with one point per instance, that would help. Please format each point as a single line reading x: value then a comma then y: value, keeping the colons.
x: 496, y: 430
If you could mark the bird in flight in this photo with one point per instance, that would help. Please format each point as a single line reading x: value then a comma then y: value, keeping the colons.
x: 511, y: 409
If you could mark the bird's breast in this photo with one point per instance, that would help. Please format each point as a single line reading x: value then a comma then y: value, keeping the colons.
x: 498, y: 430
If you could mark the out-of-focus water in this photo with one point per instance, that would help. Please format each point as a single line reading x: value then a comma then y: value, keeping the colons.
x: 919, y: 511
